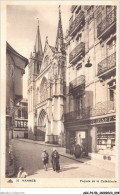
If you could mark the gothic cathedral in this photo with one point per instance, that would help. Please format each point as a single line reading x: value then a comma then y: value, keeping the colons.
x: 46, y: 90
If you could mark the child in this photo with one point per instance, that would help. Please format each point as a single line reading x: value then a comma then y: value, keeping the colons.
x: 22, y: 173
x: 45, y: 158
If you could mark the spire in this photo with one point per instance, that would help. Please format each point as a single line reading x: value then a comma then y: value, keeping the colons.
x: 38, y: 44
x: 60, y: 46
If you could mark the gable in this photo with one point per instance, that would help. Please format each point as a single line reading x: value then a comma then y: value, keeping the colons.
x: 47, y: 56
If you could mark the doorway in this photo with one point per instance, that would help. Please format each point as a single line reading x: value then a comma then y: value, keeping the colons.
x: 41, y: 128
x: 81, y: 139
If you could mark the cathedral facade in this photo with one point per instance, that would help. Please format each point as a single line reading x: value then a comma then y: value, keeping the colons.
x: 46, y: 90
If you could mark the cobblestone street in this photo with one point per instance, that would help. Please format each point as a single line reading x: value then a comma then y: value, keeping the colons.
x: 28, y: 155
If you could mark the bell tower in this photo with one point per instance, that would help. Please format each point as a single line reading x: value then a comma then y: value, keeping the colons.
x: 34, y: 67
x: 35, y: 58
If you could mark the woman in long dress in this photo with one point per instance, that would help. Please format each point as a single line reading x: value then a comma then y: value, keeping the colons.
x: 55, y: 160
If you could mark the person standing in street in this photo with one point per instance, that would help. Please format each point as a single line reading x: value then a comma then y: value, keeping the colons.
x: 45, y: 158
x: 55, y: 160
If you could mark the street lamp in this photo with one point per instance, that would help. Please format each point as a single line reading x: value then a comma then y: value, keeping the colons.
x: 88, y: 64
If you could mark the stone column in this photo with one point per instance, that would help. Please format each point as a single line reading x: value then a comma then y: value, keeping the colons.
x: 92, y: 139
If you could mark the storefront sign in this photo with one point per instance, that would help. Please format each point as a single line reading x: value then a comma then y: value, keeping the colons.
x: 103, y: 120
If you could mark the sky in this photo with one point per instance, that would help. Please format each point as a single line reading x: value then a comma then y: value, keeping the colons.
x: 22, y: 27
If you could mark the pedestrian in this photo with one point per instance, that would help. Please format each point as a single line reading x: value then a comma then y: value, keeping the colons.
x: 55, y: 160
x: 45, y: 158
x: 22, y: 173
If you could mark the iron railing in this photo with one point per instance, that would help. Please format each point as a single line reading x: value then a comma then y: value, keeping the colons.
x: 101, y: 108
x: 77, y: 53
x: 106, y: 23
x: 107, y: 63
x: 79, y: 81
x: 73, y: 7
x: 77, y: 23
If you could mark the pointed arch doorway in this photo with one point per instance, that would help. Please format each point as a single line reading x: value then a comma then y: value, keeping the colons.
x: 41, y: 129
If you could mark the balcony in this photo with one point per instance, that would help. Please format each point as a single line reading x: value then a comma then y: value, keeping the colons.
x: 77, y: 53
x: 101, y: 108
x: 77, y: 83
x: 107, y: 65
x: 83, y: 114
x: 77, y: 24
x: 107, y: 25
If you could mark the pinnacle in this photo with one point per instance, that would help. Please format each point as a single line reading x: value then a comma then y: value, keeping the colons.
x: 60, y: 47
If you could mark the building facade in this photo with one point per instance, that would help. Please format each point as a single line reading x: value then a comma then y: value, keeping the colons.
x: 21, y: 120
x: 46, y: 89
x: 90, y: 114
x: 15, y: 65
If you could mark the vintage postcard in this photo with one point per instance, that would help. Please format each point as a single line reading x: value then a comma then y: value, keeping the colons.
x: 59, y: 92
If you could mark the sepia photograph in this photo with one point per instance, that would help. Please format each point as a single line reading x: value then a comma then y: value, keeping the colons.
x: 61, y: 90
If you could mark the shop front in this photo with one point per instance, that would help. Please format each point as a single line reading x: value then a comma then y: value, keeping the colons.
x: 105, y: 135
x: 76, y: 139
x: 93, y: 136
x: 106, y: 139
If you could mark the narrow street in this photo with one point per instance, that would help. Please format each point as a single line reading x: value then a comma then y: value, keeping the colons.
x: 28, y: 155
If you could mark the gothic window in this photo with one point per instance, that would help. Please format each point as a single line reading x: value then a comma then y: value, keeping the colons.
x: 42, y: 120
x: 46, y: 60
x: 43, y: 90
